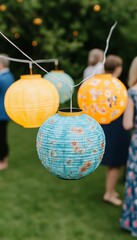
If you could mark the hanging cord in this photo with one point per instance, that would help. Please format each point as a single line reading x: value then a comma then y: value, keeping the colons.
x: 56, y: 64
x: 30, y: 67
x: 104, y: 58
x: 97, y: 68
x: 27, y: 61
x: 41, y: 60
x: 30, y: 63
x: 27, y: 55
x: 71, y: 86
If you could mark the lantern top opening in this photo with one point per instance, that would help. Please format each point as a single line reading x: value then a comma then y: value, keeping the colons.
x: 30, y: 76
x: 70, y: 112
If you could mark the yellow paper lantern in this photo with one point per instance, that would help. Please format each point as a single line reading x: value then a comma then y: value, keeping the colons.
x: 103, y: 97
x: 31, y: 100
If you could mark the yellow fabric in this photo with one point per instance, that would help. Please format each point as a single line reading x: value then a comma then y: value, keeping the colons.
x: 31, y: 100
x: 70, y: 114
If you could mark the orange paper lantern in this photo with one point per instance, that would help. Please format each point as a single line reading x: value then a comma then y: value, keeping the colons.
x: 103, y: 97
x: 31, y: 100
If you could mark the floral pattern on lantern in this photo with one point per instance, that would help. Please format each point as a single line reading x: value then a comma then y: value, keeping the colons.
x: 62, y: 81
x: 31, y: 100
x: 103, y: 97
x: 70, y: 144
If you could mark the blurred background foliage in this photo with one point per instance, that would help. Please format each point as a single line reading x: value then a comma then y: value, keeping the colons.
x: 67, y: 30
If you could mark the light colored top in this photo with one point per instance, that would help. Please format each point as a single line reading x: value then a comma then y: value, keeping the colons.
x: 96, y: 69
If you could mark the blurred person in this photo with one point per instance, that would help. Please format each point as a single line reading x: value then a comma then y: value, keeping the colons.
x: 117, y: 141
x: 6, y: 79
x: 95, y: 59
x: 128, y: 219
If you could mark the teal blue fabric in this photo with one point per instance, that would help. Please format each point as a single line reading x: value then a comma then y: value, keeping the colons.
x: 6, y: 79
x: 70, y: 147
x: 62, y: 84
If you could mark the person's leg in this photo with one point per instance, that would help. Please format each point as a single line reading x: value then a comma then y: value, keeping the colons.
x: 109, y: 173
x: 3, y: 145
x: 110, y: 195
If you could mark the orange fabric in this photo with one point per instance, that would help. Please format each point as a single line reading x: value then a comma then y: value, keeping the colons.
x: 103, y: 97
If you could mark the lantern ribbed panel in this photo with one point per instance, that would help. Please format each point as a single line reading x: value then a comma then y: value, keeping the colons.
x: 103, y: 97
x: 62, y: 84
x: 31, y: 100
x: 70, y: 147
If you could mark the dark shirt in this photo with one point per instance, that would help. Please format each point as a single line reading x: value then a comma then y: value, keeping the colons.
x: 6, y: 79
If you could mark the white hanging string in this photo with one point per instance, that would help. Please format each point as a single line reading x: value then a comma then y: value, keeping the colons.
x: 33, y: 61
x: 97, y: 68
x: 36, y: 62
x: 104, y: 57
x: 27, y: 61
x: 30, y: 63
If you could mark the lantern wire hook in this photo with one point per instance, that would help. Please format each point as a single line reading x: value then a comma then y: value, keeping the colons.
x: 30, y: 67
x: 56, y: 64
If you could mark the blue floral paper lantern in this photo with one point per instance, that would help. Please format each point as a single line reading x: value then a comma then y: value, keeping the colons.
x: 70, y: 144
x: 62, y: 84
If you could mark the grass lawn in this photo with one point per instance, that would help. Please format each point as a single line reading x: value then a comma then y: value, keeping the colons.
x: 36, y: 205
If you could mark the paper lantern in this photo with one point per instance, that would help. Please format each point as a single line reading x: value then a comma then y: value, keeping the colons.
x: 70, y: 144
x: 31, y: 100
x: 62, y: 84
x: 103, y: 97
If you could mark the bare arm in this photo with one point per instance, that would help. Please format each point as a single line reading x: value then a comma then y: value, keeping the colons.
x: 128, y: 118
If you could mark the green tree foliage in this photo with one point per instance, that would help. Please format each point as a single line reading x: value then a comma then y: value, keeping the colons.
x: 68, y: 31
